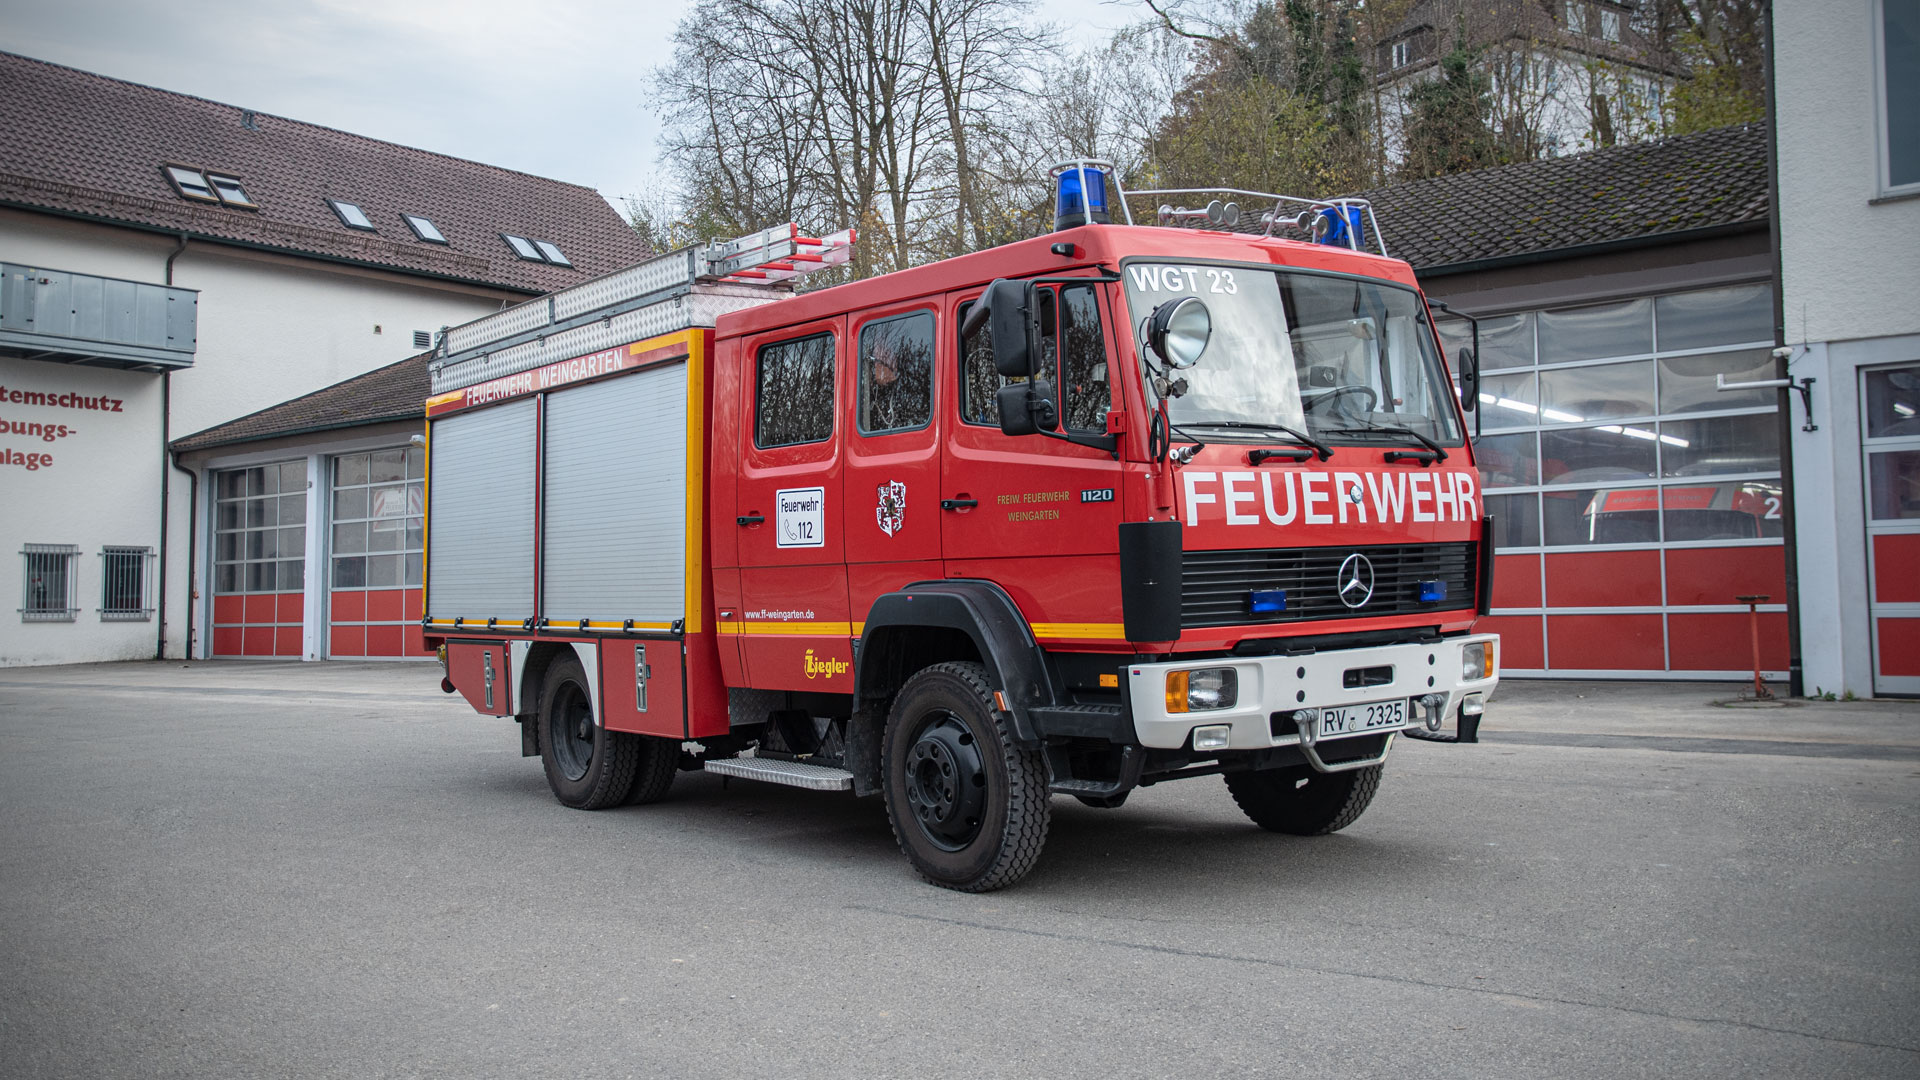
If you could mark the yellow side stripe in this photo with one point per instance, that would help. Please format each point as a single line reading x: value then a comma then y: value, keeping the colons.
x: 1077, y: 630
x: 797, y: 629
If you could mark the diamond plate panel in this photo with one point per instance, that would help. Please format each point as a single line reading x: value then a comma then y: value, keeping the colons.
x: 650, y: 276
x: 512, y: 321
x: 791, y: 773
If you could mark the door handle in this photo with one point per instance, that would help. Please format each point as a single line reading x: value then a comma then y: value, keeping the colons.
x: 958, y: 504
x: 749, y: 519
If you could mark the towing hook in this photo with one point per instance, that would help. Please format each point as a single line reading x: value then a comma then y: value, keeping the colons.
x: 1435, y: 706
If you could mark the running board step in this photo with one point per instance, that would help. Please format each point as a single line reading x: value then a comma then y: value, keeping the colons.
x: 791, y: 773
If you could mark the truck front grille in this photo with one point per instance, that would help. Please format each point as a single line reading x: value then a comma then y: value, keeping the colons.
x: 1216, y: 586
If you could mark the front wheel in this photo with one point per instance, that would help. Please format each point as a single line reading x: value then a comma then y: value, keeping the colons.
x: 969, y: 806
x: 1302, y: 802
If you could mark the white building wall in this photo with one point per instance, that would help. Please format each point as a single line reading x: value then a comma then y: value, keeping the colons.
x: 1850, y: 268
x: 95, y: 482
x: 271, y: 327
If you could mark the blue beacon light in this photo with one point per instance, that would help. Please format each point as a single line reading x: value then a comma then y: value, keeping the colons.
x: 1075, y: 204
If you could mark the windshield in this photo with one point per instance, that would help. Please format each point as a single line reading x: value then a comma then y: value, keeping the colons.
x: 1335, y: 357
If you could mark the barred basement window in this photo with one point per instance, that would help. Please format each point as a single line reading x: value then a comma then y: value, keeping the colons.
x: 48, y: 582
x: 126, y: 584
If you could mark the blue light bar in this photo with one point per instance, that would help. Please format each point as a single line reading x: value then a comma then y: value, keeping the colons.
x: 1070, y: 209
x: 1342, y: 228
x: 1267, y: 601
x: 1432, y: 591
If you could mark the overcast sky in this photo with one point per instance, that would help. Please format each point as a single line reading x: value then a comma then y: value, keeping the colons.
x: 555, y: 88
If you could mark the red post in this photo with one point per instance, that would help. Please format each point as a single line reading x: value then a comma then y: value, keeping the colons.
x: 1760, y: 691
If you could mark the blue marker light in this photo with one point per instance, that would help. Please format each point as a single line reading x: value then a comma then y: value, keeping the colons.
x: 1267, y: 601
x: 1070, y: 207
x: 1432, y: 591
x: 1340, y: 226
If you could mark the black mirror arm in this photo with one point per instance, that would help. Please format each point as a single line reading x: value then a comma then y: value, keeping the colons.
x: 1473, y: 328
x: 1109, y: 443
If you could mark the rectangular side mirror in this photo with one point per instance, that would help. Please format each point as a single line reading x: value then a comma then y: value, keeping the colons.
x: 1469, y: 366
x: 1027, y: 408
x: 1013, y: 323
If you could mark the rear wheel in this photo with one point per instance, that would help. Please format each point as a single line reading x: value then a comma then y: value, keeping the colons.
x: 968, y: 804
x: 588, y: 767
x: 1302, y: 802
x: 653, y: 775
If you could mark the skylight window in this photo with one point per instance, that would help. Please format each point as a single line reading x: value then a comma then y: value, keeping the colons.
x: 424, y: 229
x: 351, y: 215
x: 230, y: 191
x: 552, y: 253
x: 523, y: 247
x: 190, y: 183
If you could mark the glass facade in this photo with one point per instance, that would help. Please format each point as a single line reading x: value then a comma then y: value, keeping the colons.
x: 259, y: 559
x: 377, y: 512
x: 1890, y: 451
x: 1610, y: 458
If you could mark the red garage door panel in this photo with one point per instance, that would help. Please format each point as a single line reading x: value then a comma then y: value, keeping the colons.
x: 1606, y: 642
x: 1717, y: 575
x: 1520, y: 642
x: 1604, y: 579
x: 1896, y: 568
x: 1899, y: 646
x: 1516, y: 581
x: 1716, y: 641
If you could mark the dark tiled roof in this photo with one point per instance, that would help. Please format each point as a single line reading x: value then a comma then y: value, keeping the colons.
x: 85, y: 144
x: 1701, y: 181
x: 395, y: 392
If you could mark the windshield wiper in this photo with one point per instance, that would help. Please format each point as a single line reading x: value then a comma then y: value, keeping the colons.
x: 1300, y: 437
x: 1439, y: 452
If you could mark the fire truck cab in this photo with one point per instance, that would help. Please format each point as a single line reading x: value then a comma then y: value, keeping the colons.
x: 1080, y: 514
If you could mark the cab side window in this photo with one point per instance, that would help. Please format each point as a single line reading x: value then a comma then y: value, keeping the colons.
x: 896, y: 374
x: 793, y: 392
x: 1073, y: 353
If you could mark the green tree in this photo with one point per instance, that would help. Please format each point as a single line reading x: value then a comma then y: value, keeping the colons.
x: 1448, y: 129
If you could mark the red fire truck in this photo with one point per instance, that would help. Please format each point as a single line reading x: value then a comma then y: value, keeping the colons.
x: 1122, y: 504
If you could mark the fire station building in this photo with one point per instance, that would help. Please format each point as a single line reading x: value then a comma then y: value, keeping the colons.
x: 171, y: 264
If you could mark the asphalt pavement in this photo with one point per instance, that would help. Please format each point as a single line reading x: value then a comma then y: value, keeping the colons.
x: 323, y: 870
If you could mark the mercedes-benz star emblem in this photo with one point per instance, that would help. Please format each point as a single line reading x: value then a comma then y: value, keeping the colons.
x: 1356, y: 581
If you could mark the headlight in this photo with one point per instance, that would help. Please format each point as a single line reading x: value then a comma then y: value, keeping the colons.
x: 1476, y: 661
x: 1206, y: 688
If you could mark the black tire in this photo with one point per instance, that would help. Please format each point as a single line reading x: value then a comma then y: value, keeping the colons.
x: 1302, y: 802
x: 588, y: 767
x: 653, y: 776
x: 969, y: 806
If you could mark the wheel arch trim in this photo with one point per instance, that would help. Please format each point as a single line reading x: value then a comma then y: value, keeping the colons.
x: 982, y: 610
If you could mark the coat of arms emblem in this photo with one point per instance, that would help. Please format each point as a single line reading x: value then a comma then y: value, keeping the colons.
x: 892, y: 511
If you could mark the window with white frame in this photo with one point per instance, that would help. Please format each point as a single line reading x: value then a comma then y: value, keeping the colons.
x: 1897, y: 48
x: 1610, y: 25
x: 49, y: 582
x: 126, y: 584
x: 1402, y: 52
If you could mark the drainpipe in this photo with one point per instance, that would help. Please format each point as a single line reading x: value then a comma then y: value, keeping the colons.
x: 167, y: 466
x: 1790, y: 553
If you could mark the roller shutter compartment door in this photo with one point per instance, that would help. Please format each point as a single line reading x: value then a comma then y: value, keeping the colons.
x: 616, y: 500
x: 480, y: 514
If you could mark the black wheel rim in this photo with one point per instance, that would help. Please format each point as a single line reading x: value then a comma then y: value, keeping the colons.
x: 946, y: 782
x: 570, y: 732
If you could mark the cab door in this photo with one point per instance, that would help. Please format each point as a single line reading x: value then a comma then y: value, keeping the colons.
x: 1039, y: 515
x: 892, y: 506
x: 793, y: 622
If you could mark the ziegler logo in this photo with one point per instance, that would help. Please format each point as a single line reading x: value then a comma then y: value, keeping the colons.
x: 825, y: 667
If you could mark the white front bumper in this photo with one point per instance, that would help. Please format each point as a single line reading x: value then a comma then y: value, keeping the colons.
x: 1271, y: 688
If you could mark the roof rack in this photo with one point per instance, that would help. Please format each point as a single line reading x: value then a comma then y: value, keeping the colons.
x: 690, y: 287
x: 1320, y: 218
